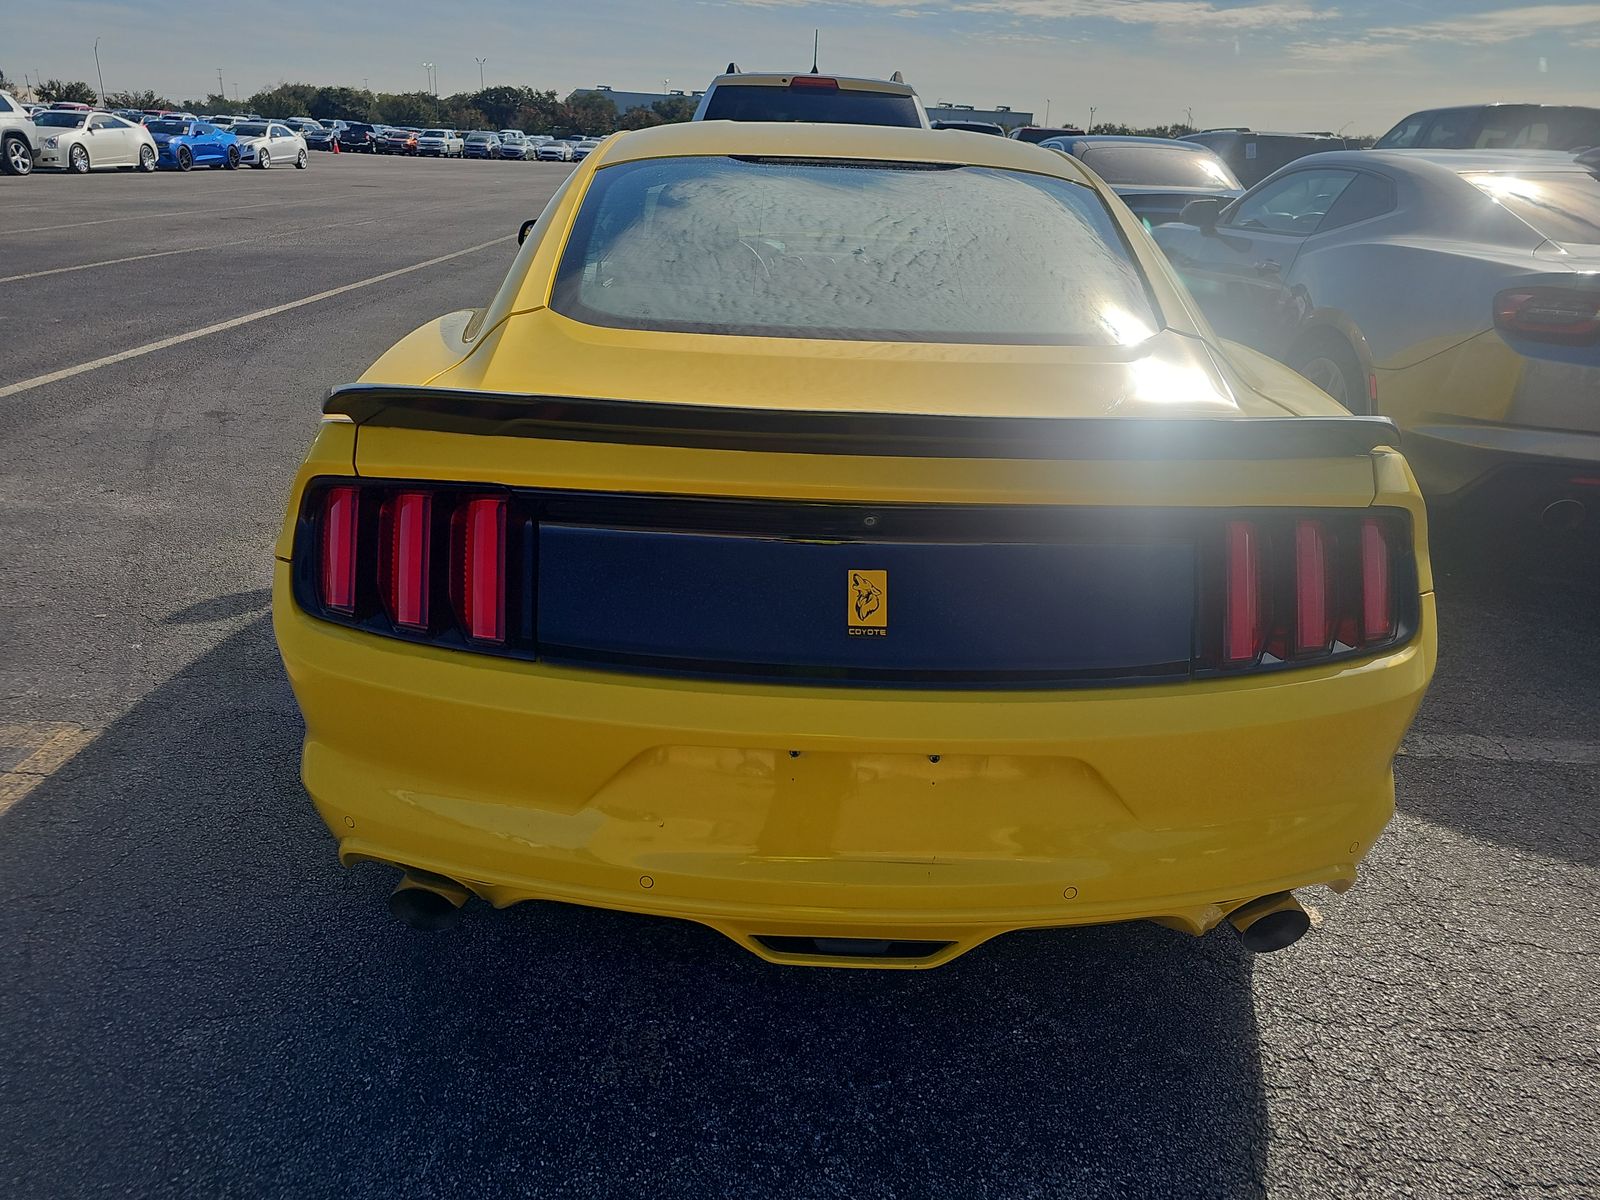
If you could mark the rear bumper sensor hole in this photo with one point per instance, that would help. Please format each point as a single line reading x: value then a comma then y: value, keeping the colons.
x: 852, y: 947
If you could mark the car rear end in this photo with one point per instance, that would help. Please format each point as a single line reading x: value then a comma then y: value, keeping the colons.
x: 813, y: 98
x: 359, y: 137
x: 860, y: 646
x: 1514, y: 416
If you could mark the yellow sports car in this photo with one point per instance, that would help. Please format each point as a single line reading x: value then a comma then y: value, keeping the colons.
x: 852, y: 539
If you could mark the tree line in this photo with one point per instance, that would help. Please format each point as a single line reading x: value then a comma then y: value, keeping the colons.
x: 500, y: 107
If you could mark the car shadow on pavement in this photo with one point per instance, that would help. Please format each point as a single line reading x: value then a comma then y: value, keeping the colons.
x: 1516, y: 692
x: 196, y: 1000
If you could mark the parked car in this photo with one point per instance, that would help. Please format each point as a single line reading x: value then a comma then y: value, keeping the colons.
x: 514, y: 144
x: 479, y: 144
x: 988, y: 127
x: 397, y: 141
x: 222, y: 121
x: 1252, y: 155
x: 360, y: 137
x: 553, y: 151
x: 181, y: 145
x: 1142, y: 646
x: 1034, y: 134
x: 321, y: 138
x: 270, y: 143
x: 582, y: 150
x: 303, y: 125
x: 439, y: 143
x: 1155, y: 177
x: 80, y: 141
x: 1497, y: 127
x: 828, y: 99
x: 1457, y: 292
x: 18, y: 137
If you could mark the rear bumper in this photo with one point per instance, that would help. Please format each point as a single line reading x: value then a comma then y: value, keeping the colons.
x: 770, y: 811
x: 1458, y: 458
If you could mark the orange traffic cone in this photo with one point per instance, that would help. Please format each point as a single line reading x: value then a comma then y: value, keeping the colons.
x: 336, y: 145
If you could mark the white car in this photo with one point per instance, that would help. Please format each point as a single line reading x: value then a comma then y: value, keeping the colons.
x: 553, y: 151
x: 584, y: 148
x: 270, y: 144
x: 440, y: 143
x: 81, y: 142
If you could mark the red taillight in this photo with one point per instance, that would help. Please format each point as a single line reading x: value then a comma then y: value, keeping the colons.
x: 405, y: 544
x: 1244, y: 630
x: 1313, y: 626
x: 815, y: 81
x: 1549, y: 314
x: 340, y: 508
x: 1377, y: 601
x: 478, y: 567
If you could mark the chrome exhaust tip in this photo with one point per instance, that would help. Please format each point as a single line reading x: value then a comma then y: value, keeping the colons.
x: 428, y: 902
x: 1271, y: 923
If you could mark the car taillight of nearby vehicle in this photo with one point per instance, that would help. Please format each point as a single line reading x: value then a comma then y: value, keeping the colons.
x: 1549, y: 314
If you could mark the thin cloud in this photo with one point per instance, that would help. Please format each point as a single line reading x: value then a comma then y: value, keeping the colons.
x: 1500, y: 25
x: 1276, y: 14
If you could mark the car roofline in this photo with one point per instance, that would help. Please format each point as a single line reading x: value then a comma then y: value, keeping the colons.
x: 852, y: 83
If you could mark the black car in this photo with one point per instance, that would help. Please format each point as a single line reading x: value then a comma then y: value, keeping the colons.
x: 1039, y: 133
x: 359, y: 136
x: 1253, y: 155
x: 1156, y: 177
x: 320, y: 139
x: 1497, y: 127
x: 972, y: 127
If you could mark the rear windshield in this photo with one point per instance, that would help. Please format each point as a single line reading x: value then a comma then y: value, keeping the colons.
x: 752, y: 102
x: 1564, y: 206
x: 1156, y: 166
x: 850, y: 251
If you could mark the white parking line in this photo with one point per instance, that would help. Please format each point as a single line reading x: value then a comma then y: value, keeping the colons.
x: 27, y: 385
x: 183, y: 212
x: 1474, y: 747
x: 112, y: 262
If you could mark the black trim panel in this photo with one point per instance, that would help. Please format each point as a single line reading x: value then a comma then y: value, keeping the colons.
x: 890, y: 435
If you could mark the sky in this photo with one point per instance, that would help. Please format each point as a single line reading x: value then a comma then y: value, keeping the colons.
x: 1358, y: 65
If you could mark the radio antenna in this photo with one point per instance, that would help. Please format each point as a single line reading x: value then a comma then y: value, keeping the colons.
x: 816, y: 40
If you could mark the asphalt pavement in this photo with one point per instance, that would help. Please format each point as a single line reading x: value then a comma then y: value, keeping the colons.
x: 196, y: 1000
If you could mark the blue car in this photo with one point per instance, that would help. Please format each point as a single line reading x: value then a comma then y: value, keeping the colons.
x: 182, y: 144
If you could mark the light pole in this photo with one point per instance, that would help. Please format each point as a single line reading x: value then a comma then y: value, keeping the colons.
x: 481, y: 61
x: 1189, y: 112
x: 1092, y: 111
x: 97, y: 73
x: 428, y: 67
x: 1047, y: 113
x: 221, y: 91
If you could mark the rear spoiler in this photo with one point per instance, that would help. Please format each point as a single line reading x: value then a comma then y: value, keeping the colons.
x: 877, y: 434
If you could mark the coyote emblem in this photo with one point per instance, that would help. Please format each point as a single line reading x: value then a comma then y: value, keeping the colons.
x: 867, y: 596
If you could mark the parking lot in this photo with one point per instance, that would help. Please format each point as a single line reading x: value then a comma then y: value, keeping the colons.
x: 195, y: 999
